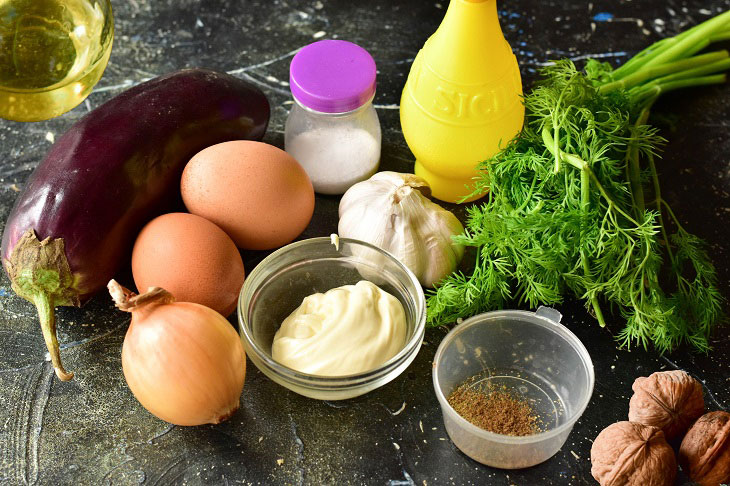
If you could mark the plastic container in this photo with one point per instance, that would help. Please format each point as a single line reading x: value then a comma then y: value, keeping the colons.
x: 532, y: 355
x: 462, y: 101
x: 281, y: 281
x: 333, y: 130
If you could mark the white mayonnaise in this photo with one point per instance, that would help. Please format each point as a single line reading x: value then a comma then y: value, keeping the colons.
x: 346, y: 330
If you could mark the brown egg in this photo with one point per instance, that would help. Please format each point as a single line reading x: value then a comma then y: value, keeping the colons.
x: 257, y: 193
x: 191, y: 258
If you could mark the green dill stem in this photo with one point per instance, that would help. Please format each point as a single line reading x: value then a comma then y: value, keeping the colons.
x: 581, y: 164
x: 703, y: 44
x: 634, y: 169
x: 703, y: 31
x: 657, y: 89
x: 658, y: 195
x: 643, y: 75
x: 700, y: 71
x: 681, y: 281
x: 585, y: 203
x: 700, y: 46
x: 608, y: 198
x: 682, y: 45
x: 637, y: 191
x: 672, y: 215
x: 556, y: 126
x: 556, y: 150
x: 528, y: 199
x: 630, y: 66
x: 721, y: 37
x: 716, y: 37
x: 655, y: 181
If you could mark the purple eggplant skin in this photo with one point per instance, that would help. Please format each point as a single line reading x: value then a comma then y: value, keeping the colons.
x: 119, y: 166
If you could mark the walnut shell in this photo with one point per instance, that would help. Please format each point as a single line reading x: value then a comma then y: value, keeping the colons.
x: 705, y: 450
x: 629, y: 454
x: 670, y: 400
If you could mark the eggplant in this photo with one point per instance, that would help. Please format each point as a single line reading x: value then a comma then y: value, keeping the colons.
x: 119, y: 166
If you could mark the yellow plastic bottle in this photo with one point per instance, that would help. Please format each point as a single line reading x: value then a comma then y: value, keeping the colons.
x: 462, y: 100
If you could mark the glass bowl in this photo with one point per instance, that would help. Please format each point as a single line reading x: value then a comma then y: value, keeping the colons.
x: 534, y: 357
x: 281, y: 281
x: 52, y: 53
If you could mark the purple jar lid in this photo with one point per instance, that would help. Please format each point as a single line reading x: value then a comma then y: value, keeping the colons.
x: 332, y: 76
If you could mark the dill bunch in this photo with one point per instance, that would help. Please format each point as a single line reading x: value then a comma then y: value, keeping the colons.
x: 574, y: 204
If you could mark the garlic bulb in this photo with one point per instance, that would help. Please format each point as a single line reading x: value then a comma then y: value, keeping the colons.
x: 392, y: 211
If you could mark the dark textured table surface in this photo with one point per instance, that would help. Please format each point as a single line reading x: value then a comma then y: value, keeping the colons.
x: 92, y: 431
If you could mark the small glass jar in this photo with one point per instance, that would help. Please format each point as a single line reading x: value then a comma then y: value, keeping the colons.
x: 333, y: 130
x: 277, y: 286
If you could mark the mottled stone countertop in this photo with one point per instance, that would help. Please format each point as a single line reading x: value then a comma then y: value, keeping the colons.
x: 92, y: 431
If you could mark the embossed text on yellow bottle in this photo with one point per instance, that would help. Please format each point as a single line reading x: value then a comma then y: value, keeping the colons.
x: 462, y: 101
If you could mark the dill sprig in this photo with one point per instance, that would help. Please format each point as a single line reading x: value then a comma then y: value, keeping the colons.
x: 567, y: 208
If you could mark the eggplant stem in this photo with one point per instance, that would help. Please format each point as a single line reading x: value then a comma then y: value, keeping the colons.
x: 48, y: 326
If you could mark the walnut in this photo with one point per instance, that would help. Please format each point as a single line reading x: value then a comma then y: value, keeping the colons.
x: 670, y: 400
x: 629, y: 453
x: 705, y: 450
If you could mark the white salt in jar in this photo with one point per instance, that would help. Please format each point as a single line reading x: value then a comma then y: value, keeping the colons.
x: 333, y: 130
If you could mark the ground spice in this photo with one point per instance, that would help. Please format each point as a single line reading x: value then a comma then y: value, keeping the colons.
x: 494, y: 408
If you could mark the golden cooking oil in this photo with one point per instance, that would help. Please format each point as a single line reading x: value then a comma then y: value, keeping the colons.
x: 52, y: 53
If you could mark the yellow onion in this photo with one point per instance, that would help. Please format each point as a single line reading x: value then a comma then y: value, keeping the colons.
x: 184, y: 362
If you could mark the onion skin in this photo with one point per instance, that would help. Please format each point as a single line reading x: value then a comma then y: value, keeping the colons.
x: 184, y: 362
